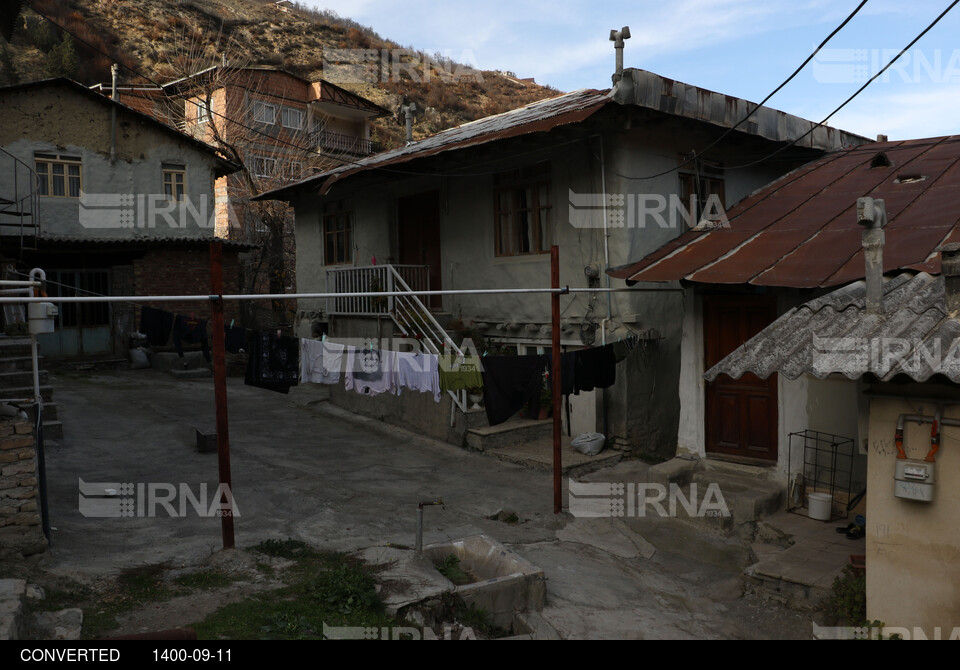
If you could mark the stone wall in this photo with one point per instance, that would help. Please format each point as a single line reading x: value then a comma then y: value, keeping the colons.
x: 20, y: 524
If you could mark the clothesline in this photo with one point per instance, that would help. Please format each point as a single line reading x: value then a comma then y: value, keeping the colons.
x: 306, y: 296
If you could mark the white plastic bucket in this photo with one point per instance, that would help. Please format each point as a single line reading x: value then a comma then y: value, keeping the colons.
x: 819, y: 506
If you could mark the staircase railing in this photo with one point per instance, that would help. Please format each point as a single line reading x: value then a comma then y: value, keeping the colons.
x: 24, y: 205
x: 409, y: 313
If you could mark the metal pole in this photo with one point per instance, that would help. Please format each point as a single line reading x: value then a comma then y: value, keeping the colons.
x: 220, y: 394
x: 555, y: 377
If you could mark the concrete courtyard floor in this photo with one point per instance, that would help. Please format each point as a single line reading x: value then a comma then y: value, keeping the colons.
x: 306, y: 470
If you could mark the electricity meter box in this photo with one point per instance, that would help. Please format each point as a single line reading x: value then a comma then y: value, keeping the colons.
x: 40, y: 317
x: 914, y: 479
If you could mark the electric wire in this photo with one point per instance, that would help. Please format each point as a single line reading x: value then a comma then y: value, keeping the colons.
x: 855, y: 94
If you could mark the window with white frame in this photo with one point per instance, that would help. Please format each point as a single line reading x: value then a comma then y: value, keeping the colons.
x: 294, y: 170
x: 58, y: 176
x: 292, y: 118
x: 264, y: 112
x: 174, y: 181
x: 264, y: 167
x: 202, y: 110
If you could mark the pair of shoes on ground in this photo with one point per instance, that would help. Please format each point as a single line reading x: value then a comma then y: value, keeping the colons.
x: 852, y: 531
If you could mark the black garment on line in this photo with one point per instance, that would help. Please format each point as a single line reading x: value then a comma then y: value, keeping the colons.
x: 156, y: 324
x: 594, y: 368
x: 509, y: 383
x: 274, y: 361
x: 234, y: 339
x: 191, y: 331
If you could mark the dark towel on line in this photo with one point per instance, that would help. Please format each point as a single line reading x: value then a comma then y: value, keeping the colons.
x: 156, y: 324
x: 191, y: 331
x: 510, y: 382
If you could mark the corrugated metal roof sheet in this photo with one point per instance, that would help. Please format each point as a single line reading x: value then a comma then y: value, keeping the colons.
x: 914, y: 335
x: 801, y: 230
x: 142, y: 240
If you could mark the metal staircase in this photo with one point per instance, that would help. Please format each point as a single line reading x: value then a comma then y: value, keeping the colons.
x: 409, y: 313
x: 19, y: 201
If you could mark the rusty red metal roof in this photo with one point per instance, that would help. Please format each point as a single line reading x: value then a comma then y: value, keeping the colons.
x: 801, y: 230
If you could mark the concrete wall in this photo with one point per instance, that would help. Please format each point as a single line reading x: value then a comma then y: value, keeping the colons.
x: 913, y: 548
x: 60, y: 121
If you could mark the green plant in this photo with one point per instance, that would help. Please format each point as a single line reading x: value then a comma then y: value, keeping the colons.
x: 450, y: 568
x: 289, y: 548
x: 847, y: 603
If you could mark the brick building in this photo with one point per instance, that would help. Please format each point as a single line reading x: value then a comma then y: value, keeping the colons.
x: 108, y: 201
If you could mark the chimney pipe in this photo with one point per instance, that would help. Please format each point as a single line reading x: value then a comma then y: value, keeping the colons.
x: 408, y: 112
x: 617, y: 37
x: 950, y: 269
x: 872, y: 215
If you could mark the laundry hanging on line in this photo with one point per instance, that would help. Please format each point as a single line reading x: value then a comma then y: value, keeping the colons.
x: 156, y: 324
x: 370, y: 371
x: 510, y: 383
x: 274, y: 361
x: 321, y: 362
x: 192, y: 331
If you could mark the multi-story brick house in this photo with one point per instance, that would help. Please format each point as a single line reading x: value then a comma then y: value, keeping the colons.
x: 280, y: 128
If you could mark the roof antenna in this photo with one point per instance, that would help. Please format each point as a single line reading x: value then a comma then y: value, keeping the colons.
x: 617, y: 37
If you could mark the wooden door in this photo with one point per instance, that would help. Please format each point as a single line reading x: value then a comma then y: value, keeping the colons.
x: 741, y: 414
x: 418, y: 237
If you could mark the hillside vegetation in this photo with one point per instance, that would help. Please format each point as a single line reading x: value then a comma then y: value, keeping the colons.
x: 153, y: 40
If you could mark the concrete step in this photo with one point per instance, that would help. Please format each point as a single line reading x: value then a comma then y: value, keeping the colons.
x: 49, y: 411
x: 52, y: 430
x: 18, y: 363
x: 513, y: 432
x: 14, y: 346
x: 46, y: 392
x: 725, y: 497
x: 21, y: 378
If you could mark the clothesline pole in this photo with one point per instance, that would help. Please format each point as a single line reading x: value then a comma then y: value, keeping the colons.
x: 220, y: 394
x: 555, y: 377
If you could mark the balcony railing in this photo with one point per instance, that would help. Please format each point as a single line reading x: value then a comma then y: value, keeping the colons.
x: 324, y: 140
x: 372, y: 279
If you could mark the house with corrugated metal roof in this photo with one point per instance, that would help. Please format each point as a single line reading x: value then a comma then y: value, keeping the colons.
x: 787, y: 245
x: 606, y: 175
x: 896, y: 340
x: 107, y: 200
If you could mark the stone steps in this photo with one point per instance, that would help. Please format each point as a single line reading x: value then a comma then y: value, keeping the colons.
x: 515, y: 431
x: 726, y: 497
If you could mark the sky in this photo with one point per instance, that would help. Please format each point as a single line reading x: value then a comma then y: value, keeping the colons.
x: 743, y: 48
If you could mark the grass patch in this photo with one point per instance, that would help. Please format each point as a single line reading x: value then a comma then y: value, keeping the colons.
x: 289, y: 548
x: 320, y: 588
x: 206, y: 580
x: 450, y: 568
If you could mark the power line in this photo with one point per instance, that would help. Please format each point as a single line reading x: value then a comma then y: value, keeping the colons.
x: 739, y: 123
x: 855, y: 94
